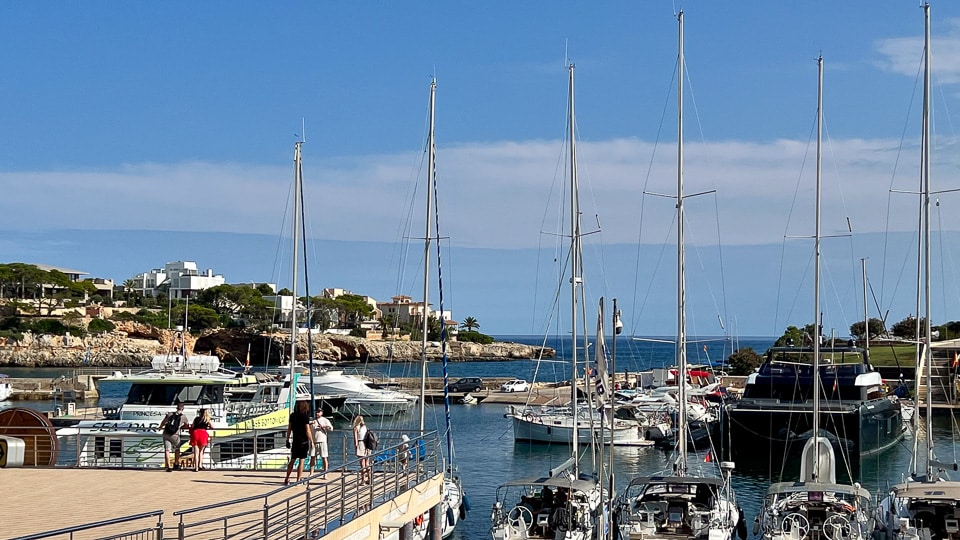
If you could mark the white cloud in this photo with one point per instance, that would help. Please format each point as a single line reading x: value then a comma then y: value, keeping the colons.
x: 904, y: 55
x: 500, y: 194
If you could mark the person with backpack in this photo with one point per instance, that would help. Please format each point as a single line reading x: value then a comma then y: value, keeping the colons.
x: 360, y: 437
x: 170, y: 426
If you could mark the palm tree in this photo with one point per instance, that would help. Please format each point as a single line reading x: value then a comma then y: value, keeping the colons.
x: 469, y: 324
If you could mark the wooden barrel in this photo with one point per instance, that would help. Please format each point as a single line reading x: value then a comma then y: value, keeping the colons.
x: 38, y: 435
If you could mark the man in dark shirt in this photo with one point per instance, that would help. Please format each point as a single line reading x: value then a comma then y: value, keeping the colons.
x: 299, y: 428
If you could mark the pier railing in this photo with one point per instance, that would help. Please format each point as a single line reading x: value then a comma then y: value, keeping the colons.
x: 109, y: 527
x: 315, y: 506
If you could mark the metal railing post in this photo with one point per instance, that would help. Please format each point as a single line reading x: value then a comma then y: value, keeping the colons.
x: 256, y: 437
x: 326, y: 501
x: 343, y: 496
x: 159, y: 535
x: 266, y: 519
x: 306, y: 520
x: 181, y: 530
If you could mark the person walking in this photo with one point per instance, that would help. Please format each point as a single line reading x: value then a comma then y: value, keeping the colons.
x: 299, y: 429
x: 170, y: 426
x: 320, y: 426
x: 359, y: 435
x: 200, y: 438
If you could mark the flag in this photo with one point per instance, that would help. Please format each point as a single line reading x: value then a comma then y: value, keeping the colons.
x: 600, y: 359
x: 956, y: 359
x: 708, y: 458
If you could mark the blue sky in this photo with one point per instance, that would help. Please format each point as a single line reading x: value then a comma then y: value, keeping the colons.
x: 181, y: 116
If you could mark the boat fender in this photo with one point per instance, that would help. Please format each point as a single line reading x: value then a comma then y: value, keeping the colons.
x: 451, y: 517
x: 742, y: 525
x: 756, y: 526
x: 464, y: 506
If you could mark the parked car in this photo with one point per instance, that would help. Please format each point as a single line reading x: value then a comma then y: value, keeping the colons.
x: 467, y: 384
x: 516, y: 385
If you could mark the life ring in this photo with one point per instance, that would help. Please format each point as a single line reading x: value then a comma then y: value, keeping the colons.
x: 528, y: 417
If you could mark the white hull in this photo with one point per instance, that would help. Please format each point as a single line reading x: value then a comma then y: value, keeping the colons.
x: 374, y: 407
x: 6, y: 390
x: 558, y: 428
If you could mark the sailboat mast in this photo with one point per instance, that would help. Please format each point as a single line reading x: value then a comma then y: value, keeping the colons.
x: 575, y: 278
x: 926, y: 231
x: 866, y: 313
x: 297, y: 179
x: 431, y: 165
x: 816, y: 275
x: 681, y: 352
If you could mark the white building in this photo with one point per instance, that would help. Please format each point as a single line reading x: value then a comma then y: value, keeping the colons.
x: 181, y: 278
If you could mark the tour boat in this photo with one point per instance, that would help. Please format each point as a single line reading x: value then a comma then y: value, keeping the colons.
x: 249, y: 416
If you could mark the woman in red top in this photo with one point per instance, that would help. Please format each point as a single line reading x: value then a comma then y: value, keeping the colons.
x: 199, y: 438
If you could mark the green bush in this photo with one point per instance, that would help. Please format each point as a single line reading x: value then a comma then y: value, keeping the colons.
x: 100, y: 326
x: 358, y: 332
x: 473, y: 336
x: 12, y: 335
x: 48, y: 326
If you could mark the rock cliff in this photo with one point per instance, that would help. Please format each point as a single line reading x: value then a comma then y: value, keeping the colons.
x: 132, y: 344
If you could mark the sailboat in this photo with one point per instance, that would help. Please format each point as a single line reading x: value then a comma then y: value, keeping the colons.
x: 680, y: 503
x: 453, y: 506
x: 816, y: 505
x: 344, y: 395
x: 925, y: 506
x: 563, y: 504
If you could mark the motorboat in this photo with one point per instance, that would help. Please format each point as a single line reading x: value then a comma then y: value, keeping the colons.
x: 352, y: 393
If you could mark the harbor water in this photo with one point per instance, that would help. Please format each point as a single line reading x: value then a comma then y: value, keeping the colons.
x: 486, y: 455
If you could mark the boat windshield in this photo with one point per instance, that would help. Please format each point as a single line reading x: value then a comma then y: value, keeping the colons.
x: 173, y: 393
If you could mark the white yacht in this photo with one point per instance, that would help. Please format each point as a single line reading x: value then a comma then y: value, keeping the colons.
x: 361, y: 398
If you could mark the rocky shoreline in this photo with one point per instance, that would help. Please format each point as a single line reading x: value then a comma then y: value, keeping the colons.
x: 134, y: 345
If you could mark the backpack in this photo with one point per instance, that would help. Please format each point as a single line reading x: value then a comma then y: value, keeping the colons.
x: 371, y: 441
x: 172, y: 427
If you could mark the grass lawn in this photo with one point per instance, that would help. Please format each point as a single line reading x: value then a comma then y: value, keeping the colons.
x: 883, y: 355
